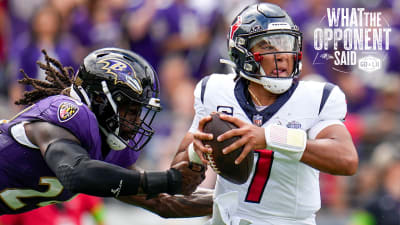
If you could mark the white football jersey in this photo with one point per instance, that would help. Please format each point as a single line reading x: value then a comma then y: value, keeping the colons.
x: 278, y: 187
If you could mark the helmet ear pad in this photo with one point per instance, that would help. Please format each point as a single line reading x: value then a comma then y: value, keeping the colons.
x: 250, y: 64
x: 297, y: 63
x: 257, y: 57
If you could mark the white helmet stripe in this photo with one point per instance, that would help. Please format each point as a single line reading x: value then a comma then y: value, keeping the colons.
x: 109, y: 97
x: 75, y: 95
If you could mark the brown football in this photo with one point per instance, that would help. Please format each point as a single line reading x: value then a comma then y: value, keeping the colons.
x: 223, y: 164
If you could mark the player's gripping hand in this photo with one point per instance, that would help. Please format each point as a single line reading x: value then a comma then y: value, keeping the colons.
x: 190, y: 178
x: 252, y: 137
x: 198, y: 137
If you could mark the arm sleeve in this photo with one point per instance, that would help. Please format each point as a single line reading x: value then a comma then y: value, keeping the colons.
x: 333, y: 112
x: 80, y: 174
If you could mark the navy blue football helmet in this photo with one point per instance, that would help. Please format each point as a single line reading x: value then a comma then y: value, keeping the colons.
x: 270, y: 24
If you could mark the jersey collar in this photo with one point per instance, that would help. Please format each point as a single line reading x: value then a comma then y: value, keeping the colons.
x: 243, y: 97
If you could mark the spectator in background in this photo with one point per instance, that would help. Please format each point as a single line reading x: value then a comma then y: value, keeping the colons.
x: 308, y: 14
x: 359, y: 95
x: 138, y: 32
x: 21, y: 13
x: 175, y: 118
x: 364, y: 185
x: 95, y: 25
x: 383, y: 207
x: 45, y: 33
x: 65, y: 8
x: 175, y: 68
x: 157, y: 30
x: 4, y: 44
x: 4, y: 29
x: 382, y: 118
x: 68, y: 213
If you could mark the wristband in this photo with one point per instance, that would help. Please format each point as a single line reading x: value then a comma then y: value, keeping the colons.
x: 288, y: 141
x: 174, y: 181
x: 169, y: 181
x: 193, y: 156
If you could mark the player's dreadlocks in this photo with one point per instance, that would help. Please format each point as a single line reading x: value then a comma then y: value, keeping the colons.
x: 58, y: 81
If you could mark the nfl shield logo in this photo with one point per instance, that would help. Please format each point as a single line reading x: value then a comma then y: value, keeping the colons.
x: 257, y: 120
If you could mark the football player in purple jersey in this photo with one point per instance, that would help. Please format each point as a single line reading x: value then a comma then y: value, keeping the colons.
x: 84, y: 133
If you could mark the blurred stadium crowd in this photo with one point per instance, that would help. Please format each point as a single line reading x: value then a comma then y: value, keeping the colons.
x: 184, y: 40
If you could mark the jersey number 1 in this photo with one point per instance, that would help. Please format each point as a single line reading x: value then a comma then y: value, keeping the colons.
x: 261, y: 175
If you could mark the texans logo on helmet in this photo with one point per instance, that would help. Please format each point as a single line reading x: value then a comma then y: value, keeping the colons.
x: 123, y: 72
x: 235, y: 26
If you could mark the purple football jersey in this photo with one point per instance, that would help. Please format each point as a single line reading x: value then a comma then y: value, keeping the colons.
x: 26, y: 182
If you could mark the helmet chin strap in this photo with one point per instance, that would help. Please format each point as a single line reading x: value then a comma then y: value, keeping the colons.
x: 112, y: 140
x: 111, y: 100
x: 112, y: 137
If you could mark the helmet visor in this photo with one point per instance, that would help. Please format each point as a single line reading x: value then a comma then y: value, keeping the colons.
x: 275, y: 43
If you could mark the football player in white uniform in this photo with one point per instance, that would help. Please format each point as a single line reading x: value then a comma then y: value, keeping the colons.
x: 293, y: 128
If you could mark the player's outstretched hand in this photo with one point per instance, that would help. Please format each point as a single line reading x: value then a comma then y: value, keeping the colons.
x: 199, y: 136
x: 190, y: 178
x: 252, y: 137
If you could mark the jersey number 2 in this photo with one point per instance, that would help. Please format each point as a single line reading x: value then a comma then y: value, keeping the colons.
x: 12, y: 196
x: 261, y: 175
